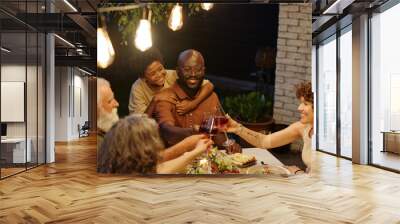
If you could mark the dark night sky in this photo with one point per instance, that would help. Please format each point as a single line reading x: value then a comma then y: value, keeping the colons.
x: 228, y: 36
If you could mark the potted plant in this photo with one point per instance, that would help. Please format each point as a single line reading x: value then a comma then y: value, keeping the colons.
x: 252, y: 109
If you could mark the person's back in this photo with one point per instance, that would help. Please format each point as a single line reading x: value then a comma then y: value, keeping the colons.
x: 134, y: 146
x: 131, y: 146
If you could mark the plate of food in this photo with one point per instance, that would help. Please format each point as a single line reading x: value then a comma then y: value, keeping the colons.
x: 242, y: 160
x: 218, y: 162
x: 257, y: 169
x: 214, y: 162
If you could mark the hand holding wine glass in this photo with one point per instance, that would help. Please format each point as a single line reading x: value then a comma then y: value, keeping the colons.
x: 192, y: 140
x: 215, y: 122
x: 208, y: 125
x: 232, y: 126
x: 222, y: 121
x: 203, y: 145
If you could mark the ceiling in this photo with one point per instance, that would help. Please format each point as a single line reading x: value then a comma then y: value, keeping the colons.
x: 76, y: 24
x: 331, y: 15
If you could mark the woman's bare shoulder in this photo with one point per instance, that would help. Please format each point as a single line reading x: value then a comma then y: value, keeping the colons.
x: 298, y: 127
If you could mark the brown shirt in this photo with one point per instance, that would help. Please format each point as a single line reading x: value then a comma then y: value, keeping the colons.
x: 175, y: 127
x: 141, y: 94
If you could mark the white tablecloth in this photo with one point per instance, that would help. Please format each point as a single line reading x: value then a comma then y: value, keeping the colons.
x: 262, y: 155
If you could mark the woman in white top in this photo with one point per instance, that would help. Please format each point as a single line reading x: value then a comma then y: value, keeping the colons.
x: 301, y: 129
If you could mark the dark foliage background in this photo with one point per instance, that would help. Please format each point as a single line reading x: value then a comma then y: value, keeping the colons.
x: 228, y: 36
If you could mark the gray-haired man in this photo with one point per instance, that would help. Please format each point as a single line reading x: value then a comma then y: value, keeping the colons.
x: 107, y: 112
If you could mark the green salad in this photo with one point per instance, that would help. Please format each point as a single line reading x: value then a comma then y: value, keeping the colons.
x: 213, y: 162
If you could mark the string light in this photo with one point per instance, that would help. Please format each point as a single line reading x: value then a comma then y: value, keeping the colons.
x: 207, y: 6
x: 143, y: 39
x: 175, y: 21
x: 105, y: 50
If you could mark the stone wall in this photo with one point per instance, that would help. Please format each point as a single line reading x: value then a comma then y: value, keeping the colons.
x: 293, y: 60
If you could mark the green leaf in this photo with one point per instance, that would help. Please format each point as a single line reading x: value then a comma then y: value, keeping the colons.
x: 250, y: 107
x: 127, y: 20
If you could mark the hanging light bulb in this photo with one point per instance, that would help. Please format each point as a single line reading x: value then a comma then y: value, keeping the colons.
x: 105, y: 50
x: 175, y: 21
x: 207, y: 6
x: 143, y: 35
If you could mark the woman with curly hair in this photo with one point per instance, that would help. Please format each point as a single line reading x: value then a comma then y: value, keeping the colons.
x: 301, y: 129
x: 134, y: 145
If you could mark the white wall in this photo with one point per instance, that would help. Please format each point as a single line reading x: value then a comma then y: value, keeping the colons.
x: 71, y: 94
x: 61, y: 103
x: 80, y: 97
x: 16, y: 73
x: 33, y: 127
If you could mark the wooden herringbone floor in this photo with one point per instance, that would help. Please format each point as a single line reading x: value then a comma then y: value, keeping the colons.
x: 70, y: 191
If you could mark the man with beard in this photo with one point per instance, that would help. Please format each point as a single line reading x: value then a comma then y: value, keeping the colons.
x: 107, y: 112
x: 153, y: 79
x: 174, y: 126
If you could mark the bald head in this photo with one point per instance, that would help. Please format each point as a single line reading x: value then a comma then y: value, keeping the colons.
x: 190, y: 55
x: 190, y: 69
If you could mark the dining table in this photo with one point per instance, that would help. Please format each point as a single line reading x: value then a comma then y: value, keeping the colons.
x: 262, y: 155
x: 264, y: 159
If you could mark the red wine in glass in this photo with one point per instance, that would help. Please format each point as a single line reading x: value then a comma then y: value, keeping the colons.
x: 208, y: 126
x: 221, y: 122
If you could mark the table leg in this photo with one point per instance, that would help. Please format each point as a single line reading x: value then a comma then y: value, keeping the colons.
x: 384, y: 142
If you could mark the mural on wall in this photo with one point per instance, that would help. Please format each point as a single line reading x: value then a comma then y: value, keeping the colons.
x: 179, y: 69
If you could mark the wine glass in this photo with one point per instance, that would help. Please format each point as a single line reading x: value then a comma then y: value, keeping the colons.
x: 208, y: 125
x: 222, y: 121
x: 209, y: 128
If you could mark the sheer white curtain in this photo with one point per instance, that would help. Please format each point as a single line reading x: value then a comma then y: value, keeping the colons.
x: 385, y: 78
x: 327, y: 96
x: 346, y: 93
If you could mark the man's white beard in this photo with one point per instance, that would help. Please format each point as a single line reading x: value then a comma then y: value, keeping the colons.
x: 106, y: 120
